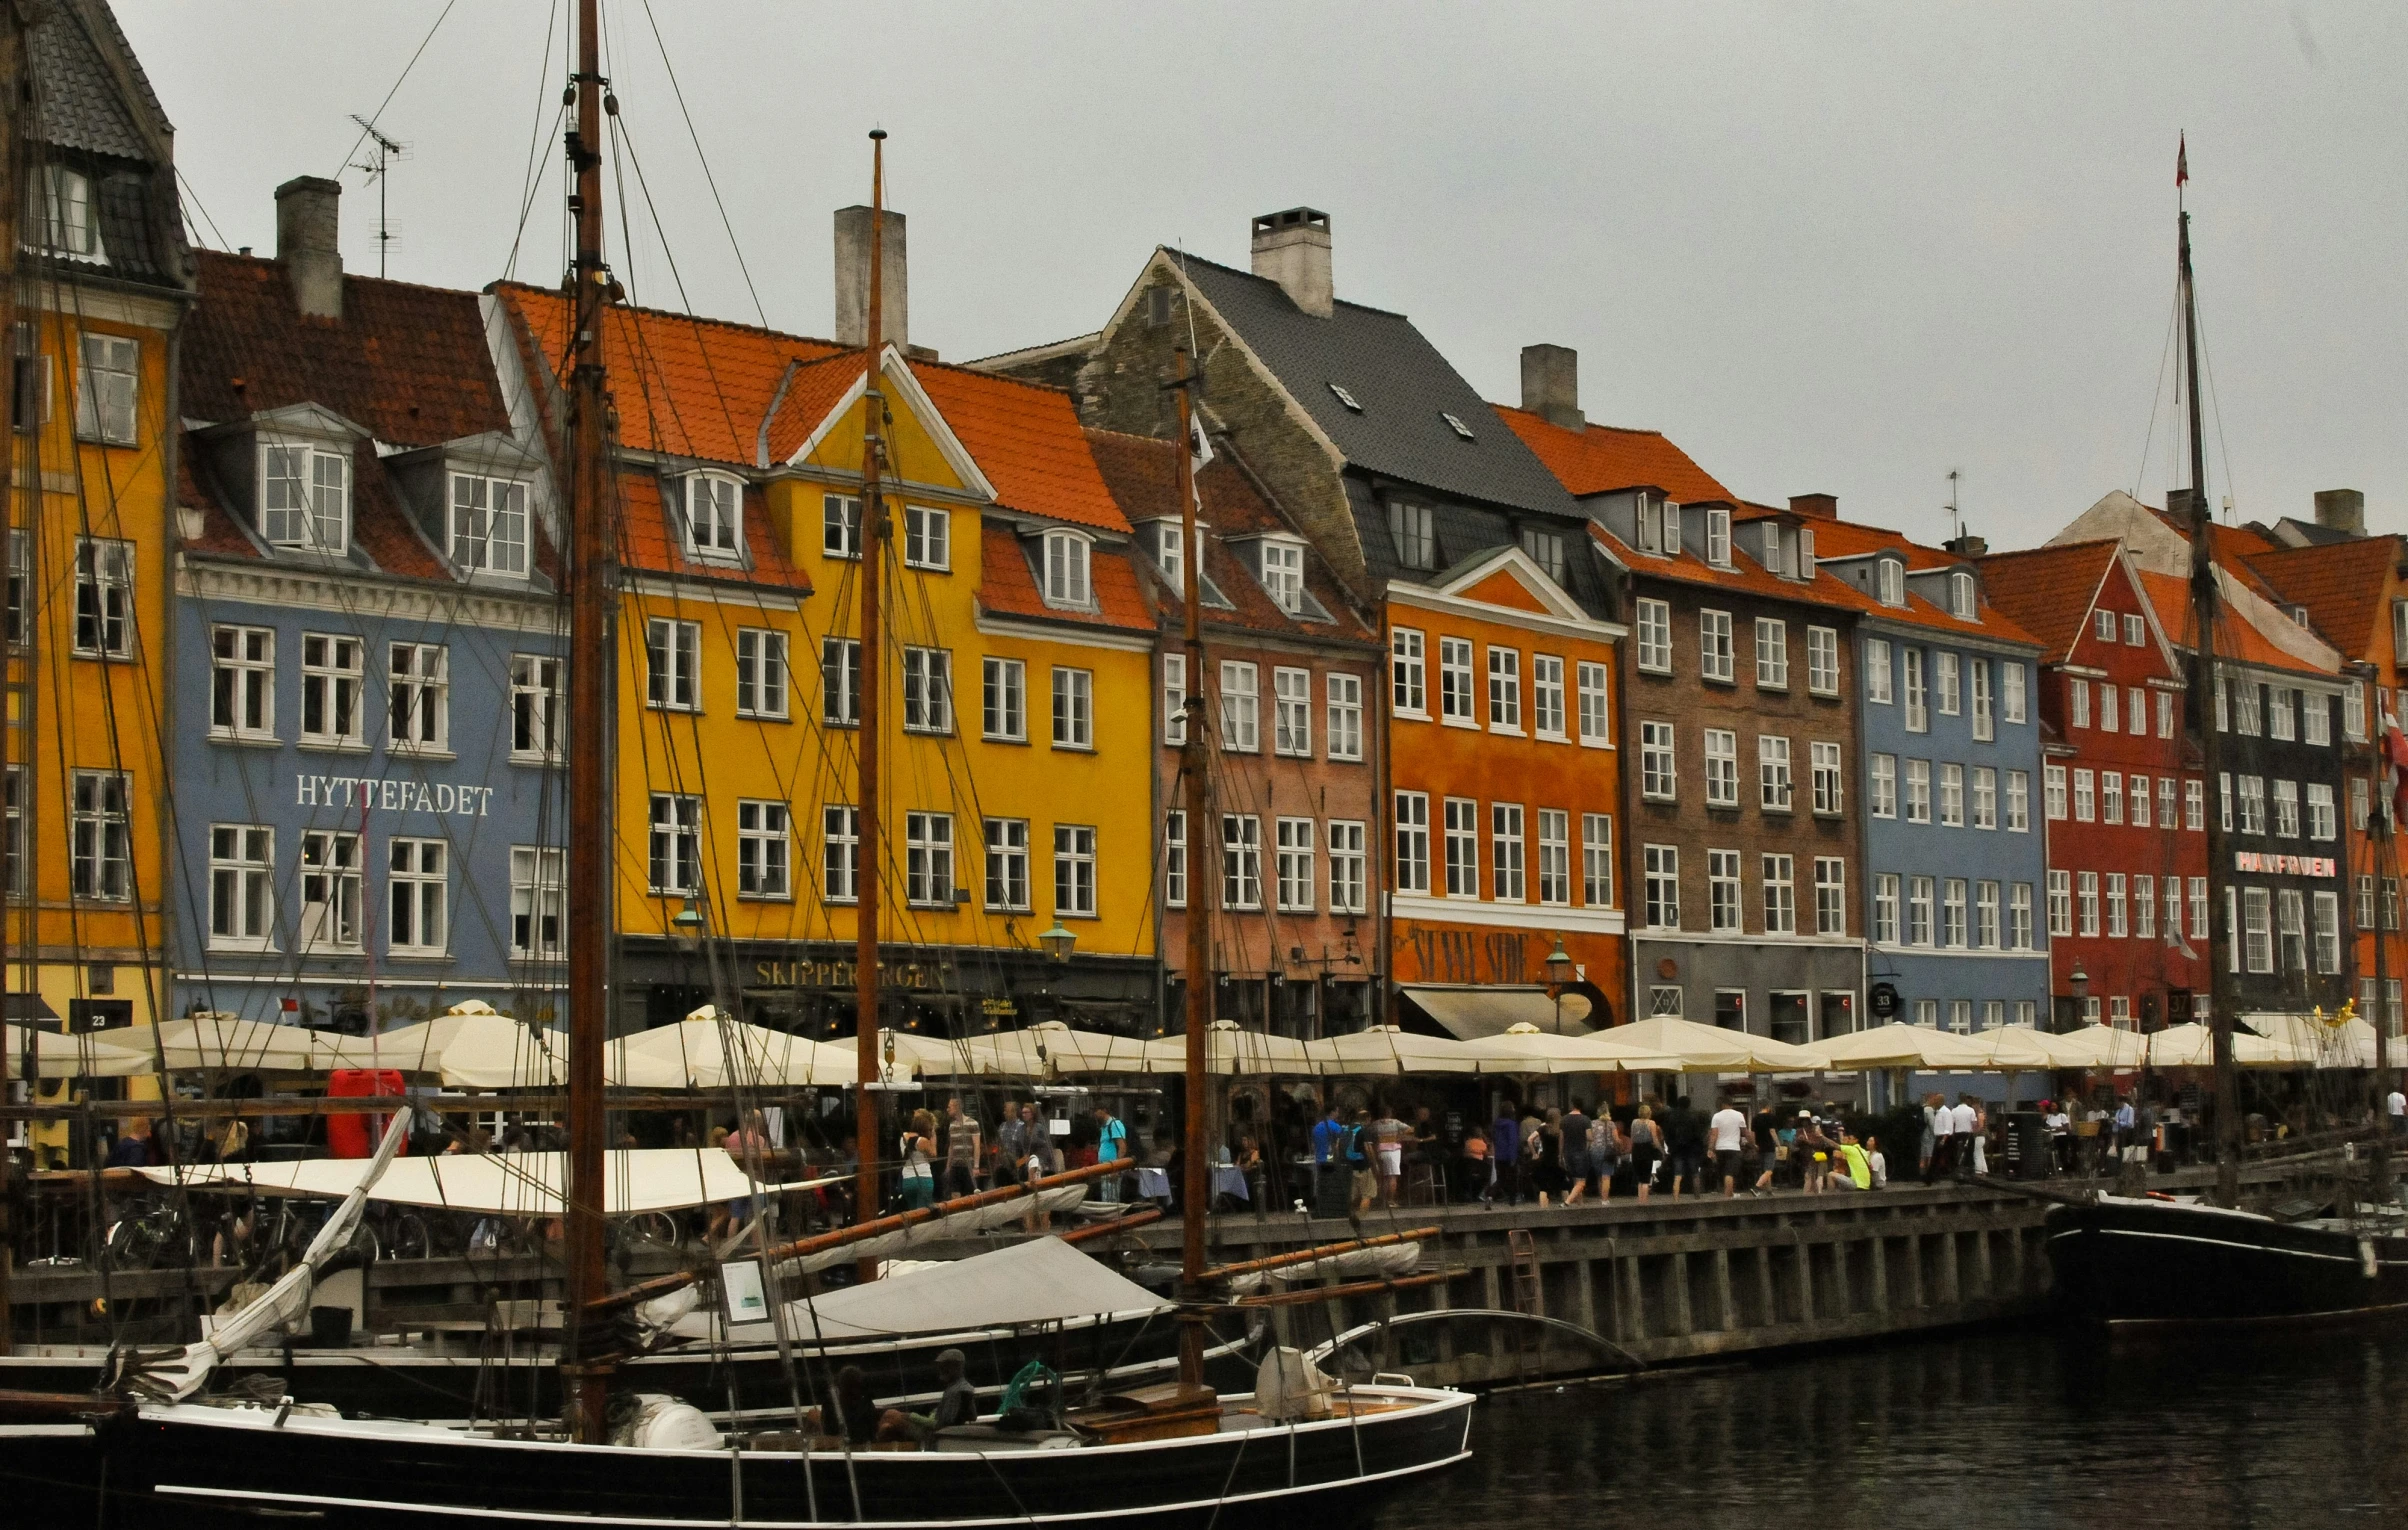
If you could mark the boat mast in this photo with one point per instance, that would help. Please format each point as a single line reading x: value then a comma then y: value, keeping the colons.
x: 2380, y: 826
x: 15, y: 734
x: 1194, y: 768
x: 2206, y: 601
x: 872, y: 547
x: 585, y: 1375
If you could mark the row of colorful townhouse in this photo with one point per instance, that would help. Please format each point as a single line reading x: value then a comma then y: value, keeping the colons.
x: 286, y: 665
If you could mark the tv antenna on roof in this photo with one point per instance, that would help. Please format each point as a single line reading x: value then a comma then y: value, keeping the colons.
x: 1956, y: 516
x: 377, y: 170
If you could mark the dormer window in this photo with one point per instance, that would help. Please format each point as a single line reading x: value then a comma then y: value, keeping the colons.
x: 1718, y: 536
x: 715, y: 518
x: 1546, y: 549
x: 305, y: 497
x: 840, y: 525
x: 1066, y: 583
x: 1659, y: 527
x: 1283, y: 574
x: 69, y: 222
x: 1162, y: 545
x: 1806, y: 552
x: 489, y: 524
x: 1961, y: 603
x: 1672, y: 529
x: 1893, y: 582
x: 1772, y: 547
x: 1414, y: 530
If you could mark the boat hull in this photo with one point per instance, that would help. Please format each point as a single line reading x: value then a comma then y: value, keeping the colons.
x: 2135, y: 1265
x: 203, y: 1466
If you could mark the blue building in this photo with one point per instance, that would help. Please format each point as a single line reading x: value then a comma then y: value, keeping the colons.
x: 367, y: 655
x: 1956, y: 851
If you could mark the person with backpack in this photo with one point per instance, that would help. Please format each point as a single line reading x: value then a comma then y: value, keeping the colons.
x: 1358, y: 1162
x: 1646, y: 1148
x: 1605, y: 1152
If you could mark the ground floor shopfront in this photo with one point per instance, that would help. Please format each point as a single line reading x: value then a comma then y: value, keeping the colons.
x: 1798, y: 991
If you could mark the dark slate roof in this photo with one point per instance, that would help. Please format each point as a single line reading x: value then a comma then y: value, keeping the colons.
x: 98, y: 115
x: 1404, y: 385
x: 81, y: 106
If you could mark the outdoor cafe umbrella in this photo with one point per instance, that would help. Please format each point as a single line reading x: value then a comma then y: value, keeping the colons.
x: 1712, y: 1049
x: 1386, y: 1051
x: 1901, y: 1045
x: 2193, y: 1045
x: 1524, y: 1048
x: 219, y: 1040
x: 1230, y: 1050
x: 2100, y: 1046
x: 473, y: 1047
x: 708, y: 1050
x: 2324, y: 1041
x: 2012, y: 1049
x: 1050, y: 1048
x: 82, y: 1055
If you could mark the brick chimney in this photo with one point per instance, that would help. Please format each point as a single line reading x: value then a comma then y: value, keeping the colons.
x: 1968, y: 545
x: 853, y: 279
x: 1821, y: 507
x: 2341, y: 510
x: 1551, y: 385
x: 308, y: 220
x: 1292, y: 249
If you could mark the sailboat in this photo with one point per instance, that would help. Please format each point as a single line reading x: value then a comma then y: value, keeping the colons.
x: 2140, y: 1264
x: 1176, y: 1455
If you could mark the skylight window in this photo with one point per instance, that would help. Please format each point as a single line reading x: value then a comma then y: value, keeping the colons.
x: 1346, y: 398
x: 1455, y: 424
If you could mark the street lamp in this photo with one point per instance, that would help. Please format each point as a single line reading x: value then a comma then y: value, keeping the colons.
x: 689, y: 926
x: 1559, y: 972
x: 2079, y: 982
x: 1057, y: 942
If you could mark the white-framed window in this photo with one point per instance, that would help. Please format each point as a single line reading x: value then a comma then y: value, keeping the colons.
x: 2141, y: 814
x: 1945, y: 674
x: 1344, y: 694
x: 1455, y: 703
x: 1294, y: 842
x: 1546, y: 549
x: 1718, y: 536
x: 2019, y: 802
x: 2088, y: 883
x: 2320, y: 811
x: 1985, y: 797
x: 2353, y: 700
x: 1003, y: 688
x: 1283, y: 573
x: 1918, y: 911
x: 1349, y: 867
x: 2198, y: 901
x: 1962, y: 603
x: 2365, y: 909
x: 1007, y: 864
x: 1722, y: 768
x: 2282, y: 716
x: 1066, y: 568
x: 2085, y: 797
x: 2111, y: 796
x: 417, y: 897
x: 1292, y: 712
x: 1241, y: 861
x: 538, y: 903
x: 1074, y: 708
x: 2165, y: 714
x: 840, y: 853
x: 928, y: 538
x: 1877, y: 671
x: 489, y: 524
x: 1408, y: 694
x: 2248, y: 711
x: 242, y: 887
x: 673, y: 665
x: 1885, y: 909
x: 1952, y: 914
x: 1714, y: 651
x: 2117, y: 926
x: 1413, y: 842
x: 1554, y: 856
x: 334, y: 685
x: 927, y: 690
x: 2077, y: 692
x: 1547, y: 695
x: 330, y: 890
x: 2292, y: 923
x: 1462, y: 847
x: 1414, y: 530
x: 1772, y: 654
x: 305, y: 496
x: 2315, y: 719
x: 840, y: 682
x: 674, y: 851
x: 1780, y: 894
x: 1892, y: 580
x: 1773, y: 784
x: 2060, y: 903
x: 1174, y: 860
x: 1597, y: 860
x: 1822, y: 661
x: 761, y: 674
x: 1884, y: 775
x: 418, y: 685
x: 2328, y: 933
x: 1174, y: 698
x: 2053, y: 785
x: 928, y: 859
x: 2358, y: 806
x: 1655, y: 636
x: 2108, y: 720
x: 840, y: 525
x: 1162, y: 545
x: 2253, y: 804
x: 1241, y: 707
x: 2019, y: 916
x: 2194, y: 807
x: 106, y: 389
x: 1658, y: 779
x: 1830, y: 895
x: 1918, y: 791
x: 242, y: 683
x: 2010, y: 691
x: 1828, y: 792
x: 1723, y: 914
x: 1985, y: 726
x: 1505, y: 868
x: 70, y: 220
x: 1960, y: 1016
x: 1918, y: 719
x: 2144, y: 906
x: 1596, y: 720
x: 1662, y: 869
x: 764, y: 850
x: 2286, y: 809
x: 104, y: 599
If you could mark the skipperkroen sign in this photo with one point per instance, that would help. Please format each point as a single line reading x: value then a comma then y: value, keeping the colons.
x: 2283, y: 865
x: 391, y: 794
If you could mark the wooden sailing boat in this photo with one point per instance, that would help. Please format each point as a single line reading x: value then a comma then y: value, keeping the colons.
x: 2139, y: 1264
x: 616, y: 1459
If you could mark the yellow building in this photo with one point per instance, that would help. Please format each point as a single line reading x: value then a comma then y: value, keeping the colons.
x: 1016, y: 694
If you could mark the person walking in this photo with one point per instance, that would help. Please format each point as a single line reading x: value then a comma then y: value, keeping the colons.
x: 963, y: 1146
x: 1943, y: 1138
x: 1329, y: 1137
x: 1726, y: 1130
x: 1111, y: 1146
x: 1388, y: 1136
x: 1505, y: 1153
x: 918, y: 1157
x: 1685, y: 1139
x: 1605, y: 1151
x: 1358, y: 1162
x: 1548, y: 1175
x: 1966, y: 1143
x: 1766, y: 1129
x: 1646, y: 1148
x: 1578, y: 1164
x: 2395, y: 1109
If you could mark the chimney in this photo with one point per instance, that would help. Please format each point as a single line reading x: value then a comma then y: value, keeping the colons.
x: 1968, y: 545
x: 2178, y: 507
x: 1821, y: 507
x: 308, y: 218
x: 1551, y: 385
x: 1292, y: 249
x: 853, y: 279
x: 2341, y: 510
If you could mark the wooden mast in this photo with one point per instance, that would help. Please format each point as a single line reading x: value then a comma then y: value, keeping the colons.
x: 584, y: 1377
x: 15, y: 737
x: 1194, y: 769
x: 872, y: 547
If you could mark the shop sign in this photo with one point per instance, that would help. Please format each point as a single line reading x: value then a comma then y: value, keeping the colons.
x: 391, y: 794
x: 837, y: 973
x: 2266, y: 864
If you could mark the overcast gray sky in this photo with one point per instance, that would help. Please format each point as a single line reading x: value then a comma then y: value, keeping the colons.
x: 1826, y: 247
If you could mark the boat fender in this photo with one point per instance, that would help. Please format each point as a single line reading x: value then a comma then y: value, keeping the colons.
x: 2366, y: 1257
x: 2156, y: 1195
x: 1289, y: 1388
x: 656, y: 1320
x: 654, y: 1422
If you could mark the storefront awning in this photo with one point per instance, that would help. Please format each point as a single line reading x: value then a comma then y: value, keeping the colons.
x: 1475, y: 1011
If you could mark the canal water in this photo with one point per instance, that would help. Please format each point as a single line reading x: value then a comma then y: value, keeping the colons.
x: 1996, y: 1429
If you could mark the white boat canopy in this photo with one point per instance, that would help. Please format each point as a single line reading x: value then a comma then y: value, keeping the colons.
x: 81, y: 1055
x: 503, y: 1184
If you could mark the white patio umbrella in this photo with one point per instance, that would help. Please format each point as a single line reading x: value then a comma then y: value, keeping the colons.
x: 2192, y: 1045
x: 79, y: 1056
x: 1712, y: 1049
x: 1232, y: 1051
x: 1050, y: 1049
x: 2100, y: 1046
x: 2012, y: 1049
x: 220, y: 1040
x: 1901, y: 1045
x: 2325, y: 1041
x: 708, y: 1050
x: 1388, y: 1051
x: 1524, y: 1048
x: 474, y: 1047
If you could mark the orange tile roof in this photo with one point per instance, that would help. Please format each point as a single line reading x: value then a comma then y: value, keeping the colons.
x: 1599, y: 459
x: 1008, y: 586
x: 2233, y: 547
x: 2241, y: 641
x: 2049, y: 590
x: 2343, y: 585
x: 1026, y: 438
x: 649, y: 539
x: 1850, y: 539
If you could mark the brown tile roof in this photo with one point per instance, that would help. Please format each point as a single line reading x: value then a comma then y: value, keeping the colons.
x: 1849, y: 539
x: 2049, y: 590
x: 1008, y: 586
x: 1026, y: 438
x: 1602, y: 458
x: 1143, y: 474
x: 2240, y: 640
x: 1744, y: 574
x: 2343, y: 585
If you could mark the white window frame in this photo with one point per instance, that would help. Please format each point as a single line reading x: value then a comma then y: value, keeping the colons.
x: 1722, y: 768
x: 104, y: 598
x: 1659, y: 779
x: 928, y: 539
x: 1830, y: 895
x: 1554, y: 857
x: 762, y: 674
x: 242, y: 684
x: 1655, y: 636
x: 418, y: 696
x: 1508, y: 881
x: 840, y: 526
x: 313, y: 480
x: 840, y: 853
x: 1412, y: 821
x: 1776, y: 788
x: 673, y: 851
x: 1343, y: 696
x: 1241, y: 707
x: 489, y: 527
x: 2019, y: 802
x: 1456, y: 700
x: 1918, y: 715
x: 108, y: 390
x: 1884, y: 778
x: 1068, y: 577
x: 1073, y: 709
x: 2011, y: 691
x: 1283, y: 573
x: 417, y: 897
x: 764, y: 849
x: 1772, y: 654
x: 1547, y: 697
x: 333, y: 881
x: 1594, y: 686
x: 1349, y: 866
x: 1007, y: 885
x: 927, y: 690
x: 840, y: 682
x: 1597, y: 860
x: 672, y: 665
x: 1076, y: 871
x: 242, y: 887
x: 1241, y: 862
x: 334, y: 685
x: 1715, y: 649
x: 1877, y: 671
x: 1661, y: 866
x: 1725, y: 909
x: 1780, y: 892
x: 1292, y: 712
x: 1408, y: 674
x: 1003, y: 700
x: 1830, y: 792
x: 1822, y: 661
x: 928, y: 860
x: 1295, y: 842
x: 538, y: 903
x: 1461, y: 842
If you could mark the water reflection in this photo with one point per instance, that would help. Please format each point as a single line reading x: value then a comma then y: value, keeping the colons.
x: 1998, y: 1429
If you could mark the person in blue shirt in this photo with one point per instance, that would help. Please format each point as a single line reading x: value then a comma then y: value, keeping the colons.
x: 1505, y: 1148
x: 1328, y: 1135
x: 1111, y: 1146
